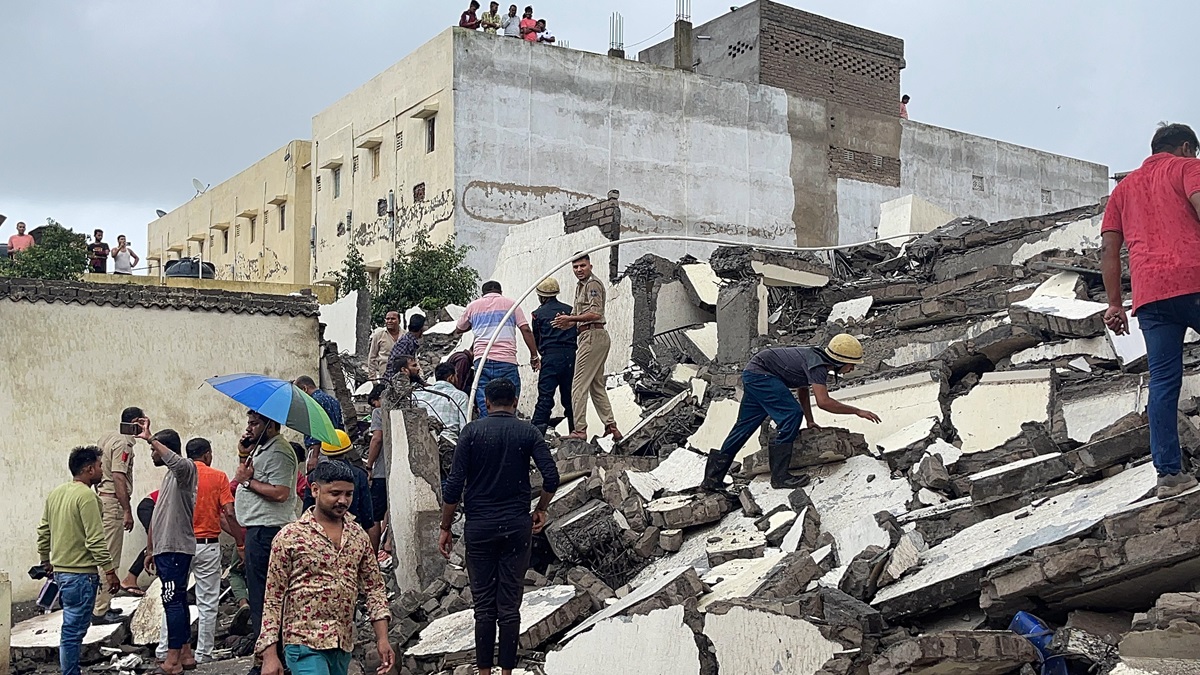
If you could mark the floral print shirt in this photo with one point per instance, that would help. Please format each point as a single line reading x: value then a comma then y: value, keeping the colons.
x: 312, y: 586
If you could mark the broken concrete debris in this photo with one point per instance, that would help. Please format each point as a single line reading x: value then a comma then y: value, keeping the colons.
x: 1010, y: 472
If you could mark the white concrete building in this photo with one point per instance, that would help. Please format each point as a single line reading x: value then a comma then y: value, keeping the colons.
x: 472, y: 134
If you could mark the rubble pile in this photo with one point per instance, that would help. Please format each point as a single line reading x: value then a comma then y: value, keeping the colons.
x: 1010, y: 473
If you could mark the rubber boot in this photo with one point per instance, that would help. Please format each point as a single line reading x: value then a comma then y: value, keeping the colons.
x: 714, y: 472
x: 780, y: 458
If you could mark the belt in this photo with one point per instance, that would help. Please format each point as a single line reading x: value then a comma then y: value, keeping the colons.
x: 585, y: 327
x: 108, y: 494
x: 208, y: 540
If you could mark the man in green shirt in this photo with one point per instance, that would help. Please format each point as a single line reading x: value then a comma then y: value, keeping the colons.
x: 72, y: 546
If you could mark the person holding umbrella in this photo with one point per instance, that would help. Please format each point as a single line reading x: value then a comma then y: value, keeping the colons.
x: 264, y: 503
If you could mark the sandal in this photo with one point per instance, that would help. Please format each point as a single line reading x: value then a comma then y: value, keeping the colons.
x: 134, y: 591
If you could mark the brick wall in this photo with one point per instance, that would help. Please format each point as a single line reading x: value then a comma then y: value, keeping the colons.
x: 863, y: 166
x: 604, y: 215
x: 161, y: 297
x: 823, y: 58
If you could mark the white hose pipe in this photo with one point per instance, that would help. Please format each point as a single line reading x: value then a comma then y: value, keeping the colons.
x: 635, y: 240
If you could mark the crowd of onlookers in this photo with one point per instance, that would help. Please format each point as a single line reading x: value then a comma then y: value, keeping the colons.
x: 523, y: 26
x: 123, y: 257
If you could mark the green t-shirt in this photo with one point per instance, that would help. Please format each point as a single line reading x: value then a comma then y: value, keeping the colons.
x: 71, y: 534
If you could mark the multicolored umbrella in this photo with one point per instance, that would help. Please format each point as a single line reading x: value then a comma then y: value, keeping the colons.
x: 278, y: 400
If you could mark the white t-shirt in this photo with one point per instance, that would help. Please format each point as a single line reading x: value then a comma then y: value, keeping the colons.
x: 546, y: 36
x: 123, y: 264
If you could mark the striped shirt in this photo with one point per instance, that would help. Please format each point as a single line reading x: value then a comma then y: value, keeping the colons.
x: 483, y: 316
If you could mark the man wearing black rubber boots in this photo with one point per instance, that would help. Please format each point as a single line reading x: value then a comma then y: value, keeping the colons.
x: 767, y: 381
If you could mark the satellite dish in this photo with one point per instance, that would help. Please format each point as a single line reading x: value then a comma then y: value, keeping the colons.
x: 160, y: 212
x: 200, y: 187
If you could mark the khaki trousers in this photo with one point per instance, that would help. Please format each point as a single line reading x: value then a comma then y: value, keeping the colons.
x: 114, y: 534
x: 589, y: 378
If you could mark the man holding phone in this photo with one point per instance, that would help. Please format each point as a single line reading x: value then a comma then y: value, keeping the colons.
x: 116, y: 459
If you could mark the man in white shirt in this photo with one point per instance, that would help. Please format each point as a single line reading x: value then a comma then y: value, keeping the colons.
x: 511, y: 23
x: 382, y: 341
x: 544, y: 34
x: 124, y: 259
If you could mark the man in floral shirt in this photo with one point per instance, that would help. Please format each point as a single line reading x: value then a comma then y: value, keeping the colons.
x: 321, y: 563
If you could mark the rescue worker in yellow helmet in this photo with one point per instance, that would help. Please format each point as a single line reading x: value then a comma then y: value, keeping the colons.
x: 767, y: 381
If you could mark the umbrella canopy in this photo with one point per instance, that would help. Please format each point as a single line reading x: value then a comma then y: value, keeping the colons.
x: 278, y: 400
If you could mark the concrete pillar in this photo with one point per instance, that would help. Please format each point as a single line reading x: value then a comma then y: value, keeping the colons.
x: 683, y: 45
x: 738, y: 309
x: 617, y: 53
x: 5, y: 623
x: 414, y: 496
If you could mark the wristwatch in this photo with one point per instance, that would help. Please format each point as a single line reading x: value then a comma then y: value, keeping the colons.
x: 246, y: 483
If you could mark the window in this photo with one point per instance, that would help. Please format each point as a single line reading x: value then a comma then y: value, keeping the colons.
x: 337, y: 182
x: 253, y: 222
x: 419, y: 192
x: 374, y: 162
x: 237, y: 230
x: 225, y: 240
x: 282, y: 213
x: 877, y: 162
x: 355, y: 169
x: 318, y: 183
x: 430, y: 133
x: 977, y: 183
x: 848, y: 155
x: 1047, y: 197
x: 399, y: 141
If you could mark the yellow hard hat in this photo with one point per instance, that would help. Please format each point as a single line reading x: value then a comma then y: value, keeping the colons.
x: 845, y: 348
x: 548, y: 288
x: 342, y: 447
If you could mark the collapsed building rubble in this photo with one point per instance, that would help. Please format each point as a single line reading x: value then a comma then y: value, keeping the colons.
x: 1010, y: 472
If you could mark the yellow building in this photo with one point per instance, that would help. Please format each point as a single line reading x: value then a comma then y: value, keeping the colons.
x: 256, y: 226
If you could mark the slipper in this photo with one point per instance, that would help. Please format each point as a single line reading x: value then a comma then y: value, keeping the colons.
x: 191, y: 667
x: 158, y: 670
x: 134, y: 591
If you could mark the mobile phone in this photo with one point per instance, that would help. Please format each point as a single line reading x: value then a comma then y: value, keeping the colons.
x: 246, y: 442
x: 131, y: 428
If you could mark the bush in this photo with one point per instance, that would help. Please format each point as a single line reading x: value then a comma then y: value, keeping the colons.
x: 429, y: 276
x: 60, y: 254
x: 353, y: 276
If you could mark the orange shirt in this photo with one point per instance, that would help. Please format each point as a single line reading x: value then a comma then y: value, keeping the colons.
x: 529, y: 23
x: 212, y: 494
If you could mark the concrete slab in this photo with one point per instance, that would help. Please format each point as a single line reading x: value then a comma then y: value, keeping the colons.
x: 683, y: 511
x: 723, y: 548
x: 1068, y: 317
x: 738, y: 578
x: 454, y: 635
x: 900, y: 402
x: 1096, y: 347
x: 147, y: 612
x: 847, y: 498
x: 1131, y: 347
x: 659, y: 642
x: 625, y: 409
x: 1061, y: 285
x: 1017, y: 477
x: 671, y: 582
x: 1077, y: 237
x: 957, y: 653
x: 705, y: 339
x: 699, y: 388
x: 778, y: 275
x: 684, y: 372
x: 951, y: 570
x: 648, y: 427
x: 755, y: 641
x: 1139, y: 666
x: 910, y: 215
x: 718, y: 420
x: 442, y: 328
x: 45, y: 630
x: 814, y: 447
x: 700, y: 279
x: 851, y: 310
x: 994, y: 410
x: 681, y: 470
x: 947, y: 452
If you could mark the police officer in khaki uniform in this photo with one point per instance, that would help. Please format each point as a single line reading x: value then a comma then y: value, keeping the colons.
x: 588, y: 319
x: 116, y: 458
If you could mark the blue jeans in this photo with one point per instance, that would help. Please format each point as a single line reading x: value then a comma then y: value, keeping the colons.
x: 493, y: 370
x: 173, y: 571
x: 763, y: 396
x: 1164, y: 324
x: 303, y: 660
x: 77, y: 592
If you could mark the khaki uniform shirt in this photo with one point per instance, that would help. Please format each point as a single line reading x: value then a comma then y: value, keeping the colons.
x: 381, y: 347
x: 589, y: 298
x: 116, y: 455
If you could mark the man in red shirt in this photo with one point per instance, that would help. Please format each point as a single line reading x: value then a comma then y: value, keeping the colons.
x: 1155, y: 214
x: 469, y: 18
x: 19, y: 241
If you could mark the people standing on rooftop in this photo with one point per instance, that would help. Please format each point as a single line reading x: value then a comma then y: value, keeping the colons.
x: 904, y: 106
x: 529, y: 25
x: 511, y: 23
x: 469, y: 19
x: 490, y: 21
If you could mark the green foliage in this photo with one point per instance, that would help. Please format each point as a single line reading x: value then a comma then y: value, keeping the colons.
x: 429, y: 276
x: 60, y: 255
x: 353, y: 276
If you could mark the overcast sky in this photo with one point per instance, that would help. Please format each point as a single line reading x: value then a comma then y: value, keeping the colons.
x: 108, y: 108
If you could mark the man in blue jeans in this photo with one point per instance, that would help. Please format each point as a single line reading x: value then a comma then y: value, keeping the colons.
x: 767, y: 382
x: 72, y: 547
x: 482, y: 317
x: 171, y: 542
x: 1155, y: 213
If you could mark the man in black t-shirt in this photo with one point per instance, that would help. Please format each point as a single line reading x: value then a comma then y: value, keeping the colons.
x: 767, y: 381
x: 98, y: 253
